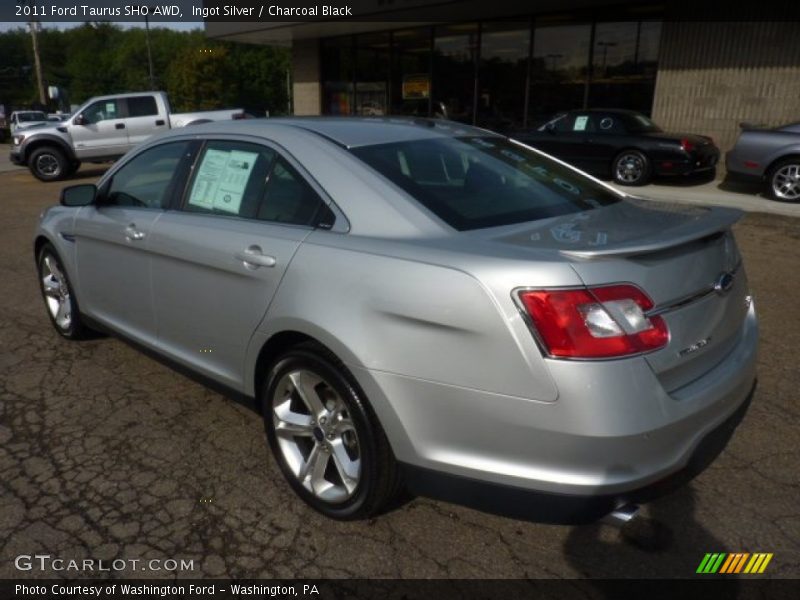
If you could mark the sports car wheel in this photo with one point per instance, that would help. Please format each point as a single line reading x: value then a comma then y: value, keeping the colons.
x: 62, y: 308
x: 325, y: 437
x: 784, y: 181
x: 631, y: 167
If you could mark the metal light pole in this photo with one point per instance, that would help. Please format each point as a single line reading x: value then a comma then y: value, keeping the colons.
x: 149, y: 53
x: 37, y: 61
x: 605, y: 46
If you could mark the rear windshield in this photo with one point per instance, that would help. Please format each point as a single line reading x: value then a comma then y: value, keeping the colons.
x: 477, y: 182
x: 641, y: 124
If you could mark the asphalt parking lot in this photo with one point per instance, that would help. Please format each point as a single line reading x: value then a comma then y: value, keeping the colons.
x: 106, y: 453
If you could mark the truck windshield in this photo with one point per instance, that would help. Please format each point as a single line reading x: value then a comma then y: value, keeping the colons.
x: 478, y: 182
x: 27, y: 117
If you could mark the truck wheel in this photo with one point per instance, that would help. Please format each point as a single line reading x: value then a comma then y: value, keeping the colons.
x: 48, y: 164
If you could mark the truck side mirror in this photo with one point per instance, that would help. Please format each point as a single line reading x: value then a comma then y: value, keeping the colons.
x: 79, y: 120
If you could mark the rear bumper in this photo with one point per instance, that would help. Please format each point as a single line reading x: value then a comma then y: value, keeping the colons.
x: 613, y: 431
x: 695, y: 164
x: 548, y: 507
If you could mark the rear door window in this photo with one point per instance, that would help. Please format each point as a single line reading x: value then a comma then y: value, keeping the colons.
x: 238, y: 179
x: 142, y: 106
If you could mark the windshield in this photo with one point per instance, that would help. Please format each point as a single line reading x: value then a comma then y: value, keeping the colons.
x: 641, y: 124
x: 477, y: 182
x: 31, y: 116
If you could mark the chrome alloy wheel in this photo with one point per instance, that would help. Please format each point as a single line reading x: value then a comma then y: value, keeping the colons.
x: 316, y: 436
x: 48, y: 165
x: 786, y: 182
x: 56, y: 292
x: 630, y: 168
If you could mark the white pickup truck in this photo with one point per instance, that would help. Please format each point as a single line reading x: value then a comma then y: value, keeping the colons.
x: 102, y: 129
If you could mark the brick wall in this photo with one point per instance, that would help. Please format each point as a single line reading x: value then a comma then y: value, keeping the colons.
x: 306, y: 77
x: 713, y: 75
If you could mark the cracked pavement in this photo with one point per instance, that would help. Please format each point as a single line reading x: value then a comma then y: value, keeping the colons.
x: 107, y: 454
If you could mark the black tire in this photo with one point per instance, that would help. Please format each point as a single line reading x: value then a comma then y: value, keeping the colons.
x: 74, y: 329
x: 782, y: 172
x: 378, y: 480
x: 48, y: 164
x: 631, y: 167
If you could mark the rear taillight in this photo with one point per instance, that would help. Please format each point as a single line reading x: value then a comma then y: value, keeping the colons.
x: 686, y: 145
x: 599, y: 322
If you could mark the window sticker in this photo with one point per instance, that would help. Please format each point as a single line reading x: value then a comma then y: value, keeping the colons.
x: 221, y: 180
x: 111, y: 107
x: 580, y: 123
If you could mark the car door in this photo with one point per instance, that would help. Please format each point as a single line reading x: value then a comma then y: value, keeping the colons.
x: 218, y: 260
x: 102, y: 132
x: 567, y: 138
x: 607, y: 138
x: 143, y: 119
x: 113, y: 237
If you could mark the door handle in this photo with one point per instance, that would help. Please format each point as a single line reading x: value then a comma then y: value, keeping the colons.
x: 159, y: 122
x: 119, y: 126
x: 253, y: 258
x: 132, y: 234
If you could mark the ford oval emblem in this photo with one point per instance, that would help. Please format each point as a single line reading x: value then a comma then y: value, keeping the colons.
x: 724, y: 283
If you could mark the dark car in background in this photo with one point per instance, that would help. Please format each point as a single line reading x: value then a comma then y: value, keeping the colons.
x: 771, y: 156
x: 621, y: 144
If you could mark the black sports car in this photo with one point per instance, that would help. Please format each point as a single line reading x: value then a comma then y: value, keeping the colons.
x: 621, y: 144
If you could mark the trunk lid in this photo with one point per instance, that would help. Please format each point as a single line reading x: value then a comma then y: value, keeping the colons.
x: 684, y: 258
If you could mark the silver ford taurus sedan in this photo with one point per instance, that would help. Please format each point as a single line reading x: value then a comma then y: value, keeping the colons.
x: 419, y: 303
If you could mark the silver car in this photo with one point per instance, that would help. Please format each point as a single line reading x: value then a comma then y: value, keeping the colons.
x: 419, y: 303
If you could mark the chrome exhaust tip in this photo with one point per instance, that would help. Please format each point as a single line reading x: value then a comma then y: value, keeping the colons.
x: 623, y: 514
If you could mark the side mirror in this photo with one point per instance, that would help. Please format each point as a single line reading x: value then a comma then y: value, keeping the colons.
x: 79, y: 120
x: 78, y: 195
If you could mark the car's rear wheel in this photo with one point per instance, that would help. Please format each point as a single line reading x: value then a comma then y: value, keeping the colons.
x: 325, y: 437
x: 48, y: 164
x: 59, y: 299
x: 631, y: 167
x: 784, y: 180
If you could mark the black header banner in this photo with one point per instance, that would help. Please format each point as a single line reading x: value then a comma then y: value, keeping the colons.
x: 419, y: 11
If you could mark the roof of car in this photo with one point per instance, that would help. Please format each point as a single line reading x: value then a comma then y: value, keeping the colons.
x: 350, y: 132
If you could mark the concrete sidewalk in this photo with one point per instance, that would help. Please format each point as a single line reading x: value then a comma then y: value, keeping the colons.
x: 745, y: 196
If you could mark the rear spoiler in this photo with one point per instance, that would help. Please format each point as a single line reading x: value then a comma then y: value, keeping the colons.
x: 716, y: 221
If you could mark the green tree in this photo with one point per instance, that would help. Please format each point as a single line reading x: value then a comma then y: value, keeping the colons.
x: 197, y: 78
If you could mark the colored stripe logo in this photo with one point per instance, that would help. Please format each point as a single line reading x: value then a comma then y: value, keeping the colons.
x: 736, y: 562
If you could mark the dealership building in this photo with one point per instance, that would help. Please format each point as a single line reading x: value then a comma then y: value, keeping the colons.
x: 509, y: 64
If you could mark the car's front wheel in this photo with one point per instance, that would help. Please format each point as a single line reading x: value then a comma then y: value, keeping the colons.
x: 631, y: 167
x: 325, y: 437
x: 59, y: 299
x: 784, y: 180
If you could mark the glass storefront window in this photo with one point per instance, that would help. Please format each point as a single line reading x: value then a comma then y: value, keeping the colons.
x: 559, y: 70
x: 624, y: 65
x: 503, y: 75
x: 411, y: 69
x: 481, y: 72
x: 373, y: 53
x: 455, y: 51
x: 337, y: 59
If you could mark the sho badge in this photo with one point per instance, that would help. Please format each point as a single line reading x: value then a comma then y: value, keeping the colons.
x: 695, y: 347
